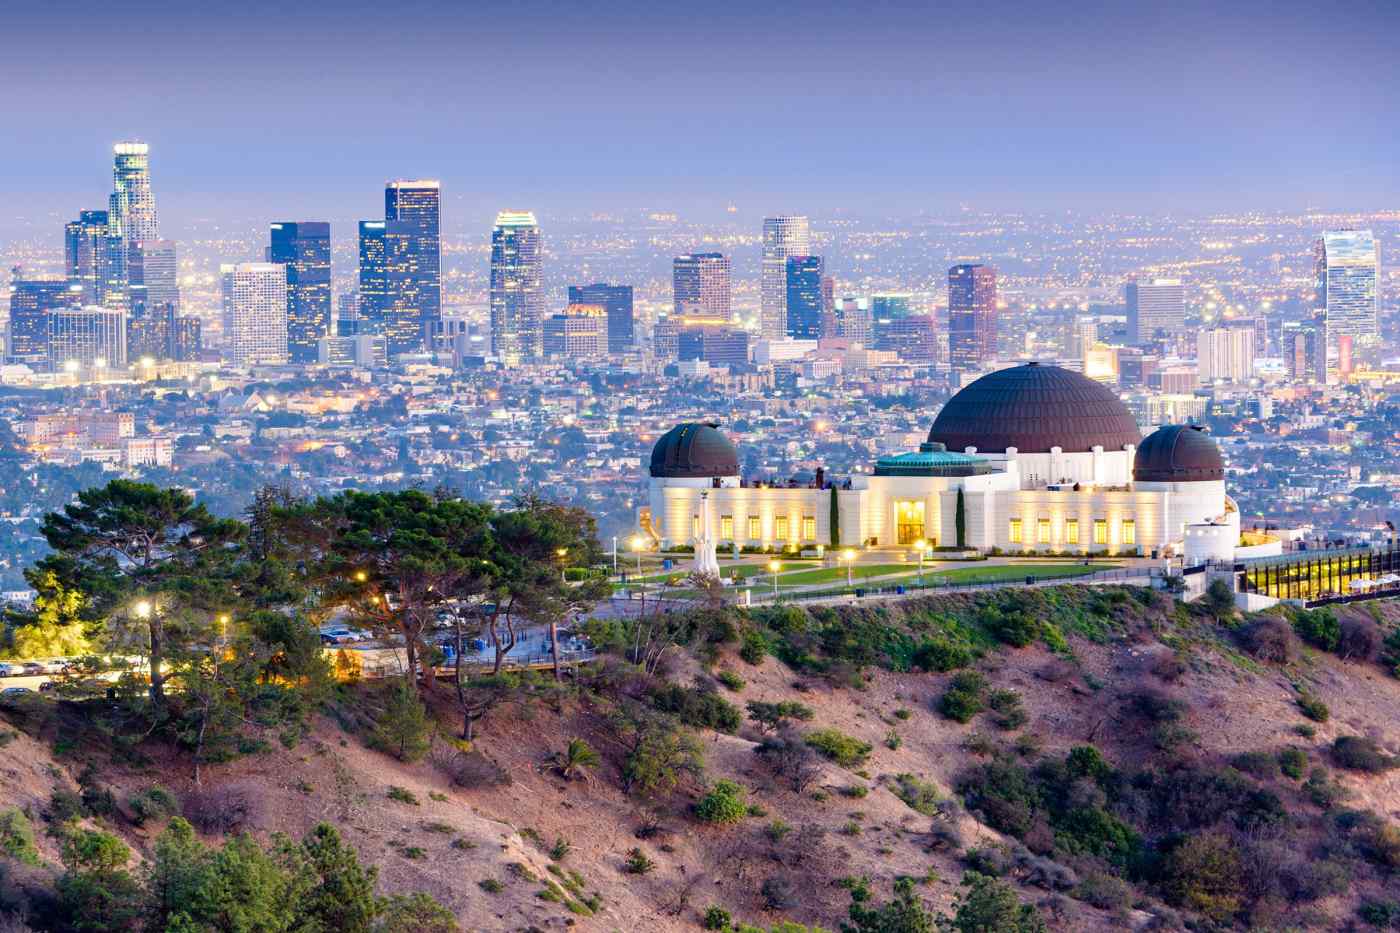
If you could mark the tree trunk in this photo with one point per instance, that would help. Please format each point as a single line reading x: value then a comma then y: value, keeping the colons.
x: 411, y: 650
x: 157, y: 659
x: 457, y: 677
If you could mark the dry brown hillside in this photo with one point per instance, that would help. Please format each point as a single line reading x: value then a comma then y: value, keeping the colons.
x: 849, y: 822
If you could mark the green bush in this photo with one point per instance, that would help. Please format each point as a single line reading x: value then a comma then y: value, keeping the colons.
x: 754, y: 648
x: 1205, y: 873
x: 403, y: 795
x: 964, y: 697
x: 638, y: 863
x: 731, y: 680
x: 491, y: 886
x: 1359, y: 753
x: 724, y: 804
x: 1311, y: 706
x: 1318, y: 627
x: 1010, y: 711
x: 699, y: 707
x: 1261, y: 765
x: 17, y: 836
x: 717, y: 918
x: 773, y: 716
x: 153, y: 803
x: 921, y: 796
x: 1293, y: 762
x: 843, y: 749
x: 940, y: 655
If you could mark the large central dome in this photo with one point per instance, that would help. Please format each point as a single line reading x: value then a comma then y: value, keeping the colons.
x: 1034, y: 408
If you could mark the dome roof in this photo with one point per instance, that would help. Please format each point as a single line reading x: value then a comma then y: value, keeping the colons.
x: 1034, y: 408
x: 694, y: 450
x: 1178, y: 453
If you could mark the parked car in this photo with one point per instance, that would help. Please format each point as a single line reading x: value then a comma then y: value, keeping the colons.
x: 15, y: 691
x: 34, y: 669
x: 8, y: 670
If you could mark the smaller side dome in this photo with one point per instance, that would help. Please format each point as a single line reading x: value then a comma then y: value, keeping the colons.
x: 693, y: 451
x: 1178, y: 453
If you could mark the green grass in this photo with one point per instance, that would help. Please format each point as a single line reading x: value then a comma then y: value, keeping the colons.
x: 831, y: 574
x: 1001, y: 572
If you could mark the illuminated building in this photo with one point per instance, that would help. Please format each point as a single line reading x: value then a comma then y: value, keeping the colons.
x: 32, y: 301
x: 718, y: 346
x: 972, y: 317
x: 700, y: 288
x: 577, y: 333
x: 1225, y: 354
x: 131, y: 215
x: 782, y: 237
x: 617, y: 300
x: 517, y: 296
x: 1042, y: 460
x: 413, y: 211
x: 85, y: 255
x: 155, y: 267
x: 1348, y: 265
x: 1155, y: 309
x: 1305, y: 351
x: 852, y: 319
x: 304, y: 249
x: 255, y: 313
x: 87, y: 340
x: 805, y: 303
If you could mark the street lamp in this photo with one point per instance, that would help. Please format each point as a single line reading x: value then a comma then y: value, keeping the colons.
x: 563, y: 575
x: 849, y: 557
x: 773, y: 568
x: 637, y: 549
x: 143, y: 609
x: 614, y: 555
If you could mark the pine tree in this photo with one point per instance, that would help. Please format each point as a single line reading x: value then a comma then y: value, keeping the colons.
x: 960, y: 520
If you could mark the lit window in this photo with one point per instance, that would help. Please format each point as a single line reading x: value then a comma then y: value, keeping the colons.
x: 1072, y: 531
x: 780, y: 528
x: 726, y: 527
x: 755, y: 528
x: 695, y: 526
x: 809, y: 528
x: 1100, y: 531
x: 1042, y: 531
x: 1015, y: 531
x: 1129, y: 532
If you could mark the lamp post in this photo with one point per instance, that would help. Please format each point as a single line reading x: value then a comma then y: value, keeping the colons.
x: 637, y: 549
x: 849, y: 557
x: 773, y: 568
x: 563, y: 552
x: 614, y: 555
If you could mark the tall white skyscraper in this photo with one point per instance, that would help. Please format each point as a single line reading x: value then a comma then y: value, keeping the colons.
x: 782, y: 237
x: 517, y: 295
x: 1225, y: 354
x: 700, y: 288
x: 132, y: 215
x: 1155, y: 308
x: 255, y: 313
x: 1348, y: 269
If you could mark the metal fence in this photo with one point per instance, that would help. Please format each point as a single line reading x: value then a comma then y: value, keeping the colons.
x: 934, y: 586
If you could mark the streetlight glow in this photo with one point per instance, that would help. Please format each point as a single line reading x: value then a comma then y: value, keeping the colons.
x: 143, y: 609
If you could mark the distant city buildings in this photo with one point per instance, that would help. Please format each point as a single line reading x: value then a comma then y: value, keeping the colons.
x: 616, y: 300
x: 131, y: 215
x: 700, y: 288
x: 1305, y: 351
x: 805, y: 301
x: 87, y: 340
x: 517, y: 296
x: 32, y: 301
x: 972, y: 317
x: 579, y: 332
x: 255, y: 313
x: 413, y: 211
x: 85, y: 255
x: 303, y: 248
x: 1155, y: 309
x: 1348, y: 266
x: 782, y: 237
x: 1225, y: 354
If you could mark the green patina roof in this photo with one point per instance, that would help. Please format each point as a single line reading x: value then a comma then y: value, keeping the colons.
x: 932, y: 460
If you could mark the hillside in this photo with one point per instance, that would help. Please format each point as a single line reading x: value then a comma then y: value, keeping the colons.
x: 1155, y: 687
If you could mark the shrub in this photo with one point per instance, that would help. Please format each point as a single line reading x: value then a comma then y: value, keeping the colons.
x: 940, y: 655
x: 1010, y: 711
x: 64, y: 806
x: 779, y: 893
x: 717, y: 918
x: 1311, y: 706
x: 772, y: 716
x: 1155, y: 706
x: 491, y: 886
x: 1359, y: 639
x: 1293, y: 762
x: 699, y: 707
x: 1322, y: 790
x: 1087, y: 761
x: 754, y: 648
x: 1359, y: 753
x: 403, y: 795
x: 791, y: 758
x: 1318, y: 627
x: 1261, y: 765
x: 918, y: 795
x: 153, y: 803
x: 964, y: 697
x: 731, y: 680
x: 402, y: 729
x: 902, y: 714
x: 776, y: 831
x: 577, y: 759
x: 1270, y: 639
x: 471, y: 768
x: 1105, y: 891
x: 723, y: 804
x: 989, y: 904
x: 843, y: 749
x: 224, y: 809
x: 1015, y: 628
x: 17, y: 836
x: 1204, y: 872
x: 637, y: 863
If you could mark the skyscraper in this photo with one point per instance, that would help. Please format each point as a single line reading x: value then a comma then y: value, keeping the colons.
x: 90, y: 339
x: 32, y: 301
x: 153, y: 287
x: 1348, y: 265
x: 972, y: 317
x: 131, y: 213
x: 517, y: 296
x: 304, y: 249
x: 782, y: 237
x: 1225, y: 354
x: 417, y: 205
x: 1305, y: 351
x: 374, y: 277
x: 1155, y: 309
x: 576, y: 333
x: 617, y: 300
x: 700, y: 288
x: 85, y: 254
x: 255, y: 313
x: 805, y: 302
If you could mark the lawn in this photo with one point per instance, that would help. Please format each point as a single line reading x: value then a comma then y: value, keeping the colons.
x: 832, y: 574
x: 1002, y: 572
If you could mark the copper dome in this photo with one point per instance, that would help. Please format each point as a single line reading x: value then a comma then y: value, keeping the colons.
x: 1034, y: 408
x: 694, y: 451
x: 1178, y: 453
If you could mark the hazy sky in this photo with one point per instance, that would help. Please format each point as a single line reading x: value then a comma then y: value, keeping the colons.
x: 303, y: 109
